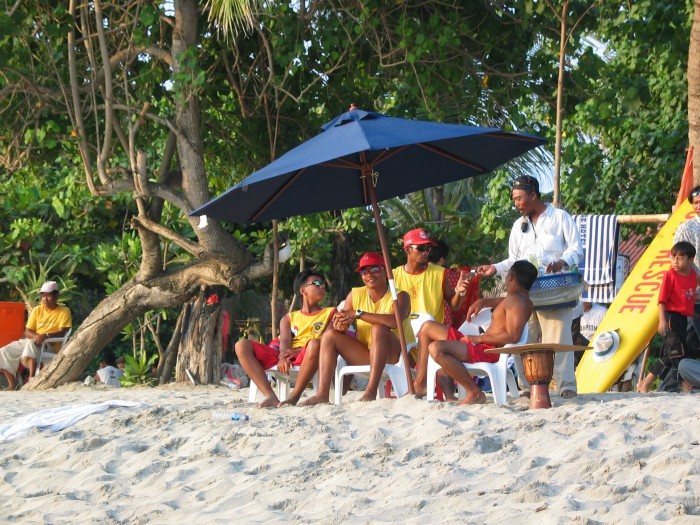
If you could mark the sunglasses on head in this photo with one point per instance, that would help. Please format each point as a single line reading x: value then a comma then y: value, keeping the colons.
x: 372, y: 269
x: 694, y: 193
x: 421, y: 247
x: 316, y: 282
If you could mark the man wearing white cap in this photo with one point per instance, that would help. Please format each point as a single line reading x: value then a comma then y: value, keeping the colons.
x: 428, y: 286
x: 49, y: 319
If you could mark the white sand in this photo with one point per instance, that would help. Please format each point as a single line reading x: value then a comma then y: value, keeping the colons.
x: 609, y: 458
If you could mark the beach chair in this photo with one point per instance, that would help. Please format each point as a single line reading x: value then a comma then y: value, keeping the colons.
x: 417, y: 320
x: 282, y: 380
x: 46, y: 355
x: 500, y: 375
x: 396, y: 373
x: 393, y: 376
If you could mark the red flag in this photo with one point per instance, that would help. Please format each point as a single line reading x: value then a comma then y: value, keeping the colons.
x: 687, y: 181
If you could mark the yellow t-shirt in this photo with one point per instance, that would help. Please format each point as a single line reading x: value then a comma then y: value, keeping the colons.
x: 308, y: 326
x: 424, y: 288
x: 45, y: 321
x: 362, y: 301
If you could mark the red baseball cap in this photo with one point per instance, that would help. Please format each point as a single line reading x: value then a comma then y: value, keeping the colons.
x: 417, y: 236
x: 370, y: 259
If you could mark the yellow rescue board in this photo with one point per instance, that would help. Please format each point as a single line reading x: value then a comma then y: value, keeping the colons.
x: 634, y: 312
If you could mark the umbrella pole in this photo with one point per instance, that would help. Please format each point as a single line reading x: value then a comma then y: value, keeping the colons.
x: 369, y: 186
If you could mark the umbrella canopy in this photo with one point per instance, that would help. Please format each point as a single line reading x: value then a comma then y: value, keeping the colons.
x: 362, y: 157
x: 325, y: 172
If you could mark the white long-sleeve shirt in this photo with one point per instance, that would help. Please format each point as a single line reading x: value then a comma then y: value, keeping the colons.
x: 555, y: 234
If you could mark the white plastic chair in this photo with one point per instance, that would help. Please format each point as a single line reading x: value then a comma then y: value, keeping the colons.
x: 283, y: 381
x: 500, y: 375
x: 396, y: 373
x: 46, y: 355
x: 417, y: 320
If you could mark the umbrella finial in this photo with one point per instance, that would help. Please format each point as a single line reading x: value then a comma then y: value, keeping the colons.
x: 353, y: 107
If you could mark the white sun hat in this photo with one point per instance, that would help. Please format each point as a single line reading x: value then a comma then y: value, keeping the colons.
x: 605, y: 345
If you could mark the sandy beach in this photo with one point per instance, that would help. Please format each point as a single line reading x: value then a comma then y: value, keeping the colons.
x: 597, y: 458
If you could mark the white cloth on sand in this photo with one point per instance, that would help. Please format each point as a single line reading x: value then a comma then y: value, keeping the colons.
x: 58, y: 418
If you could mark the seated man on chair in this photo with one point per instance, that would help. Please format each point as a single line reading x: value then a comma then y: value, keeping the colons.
x: 509, y: 317
x: 47, y: 320
x: 300, y: 332
x: 428, y: 286
x: 377, y: 342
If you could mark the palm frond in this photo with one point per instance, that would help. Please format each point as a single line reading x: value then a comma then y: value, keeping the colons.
x: 231, y: 16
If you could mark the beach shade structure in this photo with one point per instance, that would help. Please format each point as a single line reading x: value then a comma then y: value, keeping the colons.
x: 360, y: 158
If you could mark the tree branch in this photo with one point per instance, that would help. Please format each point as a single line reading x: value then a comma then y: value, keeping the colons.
x: 159, y: 229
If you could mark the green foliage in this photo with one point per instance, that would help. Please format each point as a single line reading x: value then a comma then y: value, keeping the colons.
x: 137, y: 371
x: 486, y: 63
x: 29, y: 277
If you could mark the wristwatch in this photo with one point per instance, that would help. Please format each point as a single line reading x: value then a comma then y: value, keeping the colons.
x: 358, y: 313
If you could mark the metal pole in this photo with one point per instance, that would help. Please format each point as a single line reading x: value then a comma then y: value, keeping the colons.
x: 369, y: 187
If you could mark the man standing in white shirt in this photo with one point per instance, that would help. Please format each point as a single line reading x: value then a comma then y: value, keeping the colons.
x: 550, y: 236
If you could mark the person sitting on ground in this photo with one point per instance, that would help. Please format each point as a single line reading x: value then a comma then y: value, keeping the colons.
x: 676, y: 304
x: 428, y: 286
x: 689, y: 372
x: 508, y: 320
x: 47, y: 320
x: 108, y: 373
x: 300, y: 332
x: 376, y: 342
x: 592, y: 316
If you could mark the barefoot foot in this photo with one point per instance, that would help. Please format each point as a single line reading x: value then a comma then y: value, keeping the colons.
x: 313, y: 400
x: 269, y: 402
x: 474, y: 399
x: 289, y: 401
x: 369, y: 396
x: 420, y: 389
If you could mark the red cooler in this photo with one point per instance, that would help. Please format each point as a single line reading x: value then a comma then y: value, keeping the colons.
x: 11, y: 322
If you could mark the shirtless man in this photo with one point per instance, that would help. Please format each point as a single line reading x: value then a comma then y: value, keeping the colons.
x: 508, y: 320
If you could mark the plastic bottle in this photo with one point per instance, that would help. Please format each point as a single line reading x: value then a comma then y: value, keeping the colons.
x: 232, y: 416
x: 234, y: 384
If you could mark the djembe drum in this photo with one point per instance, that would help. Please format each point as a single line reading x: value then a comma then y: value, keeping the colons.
x: 538, y: 367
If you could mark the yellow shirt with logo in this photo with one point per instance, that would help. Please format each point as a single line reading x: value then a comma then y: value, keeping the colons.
x: 362, y: 301
x: 424, y: 288
x: 308, y: 326
x: 45, y: 321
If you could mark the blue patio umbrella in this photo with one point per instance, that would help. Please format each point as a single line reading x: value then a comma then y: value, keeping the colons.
x: 361, y: 157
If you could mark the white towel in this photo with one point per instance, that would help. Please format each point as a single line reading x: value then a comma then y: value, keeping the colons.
x: 58, y: 418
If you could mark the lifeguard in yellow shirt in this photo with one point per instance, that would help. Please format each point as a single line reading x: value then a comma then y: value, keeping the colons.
x: 427, y: 285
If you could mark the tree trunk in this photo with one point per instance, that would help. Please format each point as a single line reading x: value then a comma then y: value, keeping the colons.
x: 201, y: 343
x: 135, y: 298
x: 694, y: 92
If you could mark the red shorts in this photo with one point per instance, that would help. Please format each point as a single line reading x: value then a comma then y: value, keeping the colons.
x: 476, y: 352
x: 453, y: 334
x: 269, y: 357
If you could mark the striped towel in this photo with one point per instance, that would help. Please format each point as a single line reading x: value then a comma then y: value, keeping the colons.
x: 599, y: 238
